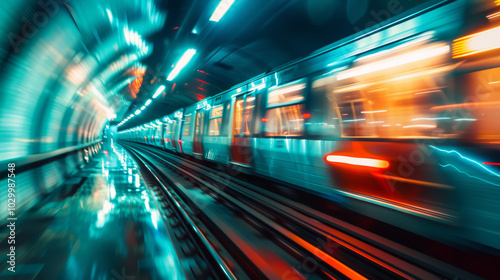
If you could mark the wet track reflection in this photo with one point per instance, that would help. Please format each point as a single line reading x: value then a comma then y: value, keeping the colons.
x: 108, y: 229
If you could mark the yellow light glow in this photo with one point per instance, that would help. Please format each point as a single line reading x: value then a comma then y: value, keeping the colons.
x: 477, y: 43
x: 395, y: 61
x: 492, y: 16
x: 287, y: 90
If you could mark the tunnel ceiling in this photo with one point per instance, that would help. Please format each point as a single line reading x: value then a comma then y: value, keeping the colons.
x: 253, y: 37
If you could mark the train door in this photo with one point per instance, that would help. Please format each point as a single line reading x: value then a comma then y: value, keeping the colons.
x: 198, y: 133
x: 165, y: 137
x: 243, y: 111
x: 173, y: 135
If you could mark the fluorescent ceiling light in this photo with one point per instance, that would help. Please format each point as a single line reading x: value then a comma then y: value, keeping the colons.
x: 148, y: 102
x: 182, y: 62
x: 143, y: 107
x: 221, y: 10
x: 110, y: 16
x: 137, y: 112
x: 158, y: 91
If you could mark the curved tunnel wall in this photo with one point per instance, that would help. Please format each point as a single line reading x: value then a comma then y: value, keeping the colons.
x: 53, y: 94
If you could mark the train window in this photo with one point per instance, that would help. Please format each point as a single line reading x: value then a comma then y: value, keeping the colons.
x: 479, y: 113
x: 216, y: 112
x: 198, y: 129
x: 238, y: 114
x: 257, y: 124
x: 285, y: 121
x: 247, y: 119
x: 283, y: 118
x: 215, y: 120
x: 286, y: 95
x: 186, y: 127
x: 321, y: 120
x: 396, y: 102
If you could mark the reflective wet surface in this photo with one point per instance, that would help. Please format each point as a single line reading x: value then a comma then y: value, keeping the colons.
x: 105, y: 226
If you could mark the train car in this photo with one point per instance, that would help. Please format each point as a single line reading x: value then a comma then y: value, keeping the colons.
x: 397, y: 123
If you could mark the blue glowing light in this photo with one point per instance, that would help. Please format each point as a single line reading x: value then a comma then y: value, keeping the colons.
x: 221, y: 9
x: 158, y: 91
x: 181, y: 64
x: 469, y: 160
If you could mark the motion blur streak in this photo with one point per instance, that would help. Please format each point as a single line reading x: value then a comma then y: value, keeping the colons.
x: 358, y: 161
x: 477, y: 43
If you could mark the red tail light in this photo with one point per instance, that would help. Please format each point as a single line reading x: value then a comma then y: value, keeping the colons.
x: 369, y: 162
x: 491, y: 163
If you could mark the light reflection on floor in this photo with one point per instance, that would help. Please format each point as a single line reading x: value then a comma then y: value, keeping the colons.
x: 109, y: 229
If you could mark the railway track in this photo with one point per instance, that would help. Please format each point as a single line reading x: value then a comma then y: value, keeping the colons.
x: 248, y: 232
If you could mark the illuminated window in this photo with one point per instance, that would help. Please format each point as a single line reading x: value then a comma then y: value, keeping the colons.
x: 386, y: 98
x: 479, y: 113
x: 198, y: 129
x: 247, y: 119
x: 238, y: 112
x: 322, y: 121
x: 215, y: 121
x: 284, y: 118
x: 285, y: 121
x: 186, y: 126
x: 289, y: 94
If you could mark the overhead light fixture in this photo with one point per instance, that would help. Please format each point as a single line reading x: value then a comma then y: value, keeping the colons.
x: 148, y: 102
x: 143, y: 107
x: 221, y: 9
x: 158, y: 91
x: 181, y: 64
x: 110, y: 16
x: 137, y: 112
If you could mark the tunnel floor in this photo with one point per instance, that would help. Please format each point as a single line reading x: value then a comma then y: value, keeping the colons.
x: 105, y: 226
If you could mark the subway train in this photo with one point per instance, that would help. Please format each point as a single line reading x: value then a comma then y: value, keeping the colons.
x: 400, y: 122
